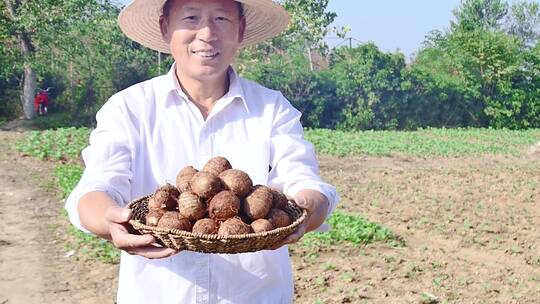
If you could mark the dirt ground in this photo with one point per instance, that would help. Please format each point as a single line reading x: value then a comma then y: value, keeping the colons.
x: 470, y: 227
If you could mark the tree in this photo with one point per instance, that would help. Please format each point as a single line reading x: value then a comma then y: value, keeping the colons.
x: 24, y: 38
x: 480, y: 15
x: 369, y: 83
x: 73, y: 45
x: 523, y: 21
x: 310, y: 23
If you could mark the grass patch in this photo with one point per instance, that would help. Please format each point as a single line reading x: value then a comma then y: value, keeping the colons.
x: 348, y: 228
x: 59, y: 145
x: 93, y: 247
x: 426, y: 142
x: 65, y: 146
x: 67, y: 176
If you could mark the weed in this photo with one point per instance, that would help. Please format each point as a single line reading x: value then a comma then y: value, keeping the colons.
x: 426, y: 142
x: 348, y: 228
x: 61, y: 144
x: 329, y: 266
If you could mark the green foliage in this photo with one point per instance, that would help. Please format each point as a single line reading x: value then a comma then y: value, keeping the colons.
x: 480, y: 15
x: 369, y: 84
x: 79, y: 45
x: 93, y: 247
x: 524, y: 21
x: 312, y: 92
x: 310, y: 22
x: 346, y: 228
x: 62, y: 144
x: 482, y: 72
x: 65, y: 145
x: 67, y: 176
x: 428, y: 142
x: 477, y: 74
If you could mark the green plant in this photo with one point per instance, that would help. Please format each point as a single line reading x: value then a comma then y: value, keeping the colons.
x: 425, y: 142
x: 93, y: 247
x: 346, y: 228
x: 67, y: 176
x: 63, y: 144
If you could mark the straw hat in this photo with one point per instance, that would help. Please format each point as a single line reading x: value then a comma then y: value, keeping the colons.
x: 140, y: 22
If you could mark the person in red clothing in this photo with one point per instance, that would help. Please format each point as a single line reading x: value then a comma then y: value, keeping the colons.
x: 41, y: 102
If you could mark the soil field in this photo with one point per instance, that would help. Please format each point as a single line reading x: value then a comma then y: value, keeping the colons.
x: 469, y: 225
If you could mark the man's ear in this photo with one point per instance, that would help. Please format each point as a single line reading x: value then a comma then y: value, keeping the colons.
x: 164, y: 27
x: 242, y: 29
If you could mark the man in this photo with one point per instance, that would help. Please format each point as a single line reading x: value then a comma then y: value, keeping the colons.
x: 41, y: 102
x: 200, y: 109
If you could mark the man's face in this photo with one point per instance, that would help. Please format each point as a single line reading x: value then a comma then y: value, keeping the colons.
x: 203, y: 35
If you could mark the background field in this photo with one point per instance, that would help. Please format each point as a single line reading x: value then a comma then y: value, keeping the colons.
x: 432, y: 216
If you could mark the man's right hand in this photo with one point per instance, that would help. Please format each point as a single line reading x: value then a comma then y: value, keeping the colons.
x: 143, y: 245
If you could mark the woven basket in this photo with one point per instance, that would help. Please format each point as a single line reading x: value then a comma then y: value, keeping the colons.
x: 213, y: 243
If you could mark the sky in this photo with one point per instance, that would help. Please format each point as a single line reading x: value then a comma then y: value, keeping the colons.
x: 391, y: 24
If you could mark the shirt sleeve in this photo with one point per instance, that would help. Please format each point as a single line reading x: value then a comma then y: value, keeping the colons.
x: 293, y: 161
x: 107, y: 160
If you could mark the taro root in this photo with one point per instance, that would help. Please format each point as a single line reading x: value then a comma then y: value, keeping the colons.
x: 205, y: 226
x: 279, y: 200
x: 153, y: 216
x: 217, y: 165
x: 224, y: 205
x: 236, y: 181
x: 173, y: 220
x: 279, y: 218
x: 166, y: 197
x: 190, y: 206
x: 153, y: 203
x: 184, y: 177
x: 261, y: 225
x: 234, y: 226
x: 205, y: 184
x: 257, y: 203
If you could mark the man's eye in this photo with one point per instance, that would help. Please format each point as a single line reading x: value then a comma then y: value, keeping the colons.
x: 222, y: 19
x: 190, y: 18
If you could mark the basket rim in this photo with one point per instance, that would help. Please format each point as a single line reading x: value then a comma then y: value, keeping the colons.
x: 184, y: 233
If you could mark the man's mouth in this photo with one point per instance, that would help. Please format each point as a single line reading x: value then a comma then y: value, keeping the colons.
x: 206, y: 54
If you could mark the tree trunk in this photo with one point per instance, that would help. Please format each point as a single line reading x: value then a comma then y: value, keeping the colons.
x: 27, y: 50
x: 29, y: 90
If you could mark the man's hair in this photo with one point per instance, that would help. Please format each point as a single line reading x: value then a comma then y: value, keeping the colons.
x: 169, y: 3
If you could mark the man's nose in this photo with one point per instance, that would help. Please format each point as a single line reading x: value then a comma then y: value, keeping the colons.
x: 208, y: 31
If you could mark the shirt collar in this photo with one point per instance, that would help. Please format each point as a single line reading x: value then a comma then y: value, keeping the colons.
x: 169, y: 83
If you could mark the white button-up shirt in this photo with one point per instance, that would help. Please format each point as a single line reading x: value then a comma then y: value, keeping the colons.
x: 146, y: 133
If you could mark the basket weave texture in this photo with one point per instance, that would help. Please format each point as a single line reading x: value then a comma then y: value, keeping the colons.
x: 213, y: 243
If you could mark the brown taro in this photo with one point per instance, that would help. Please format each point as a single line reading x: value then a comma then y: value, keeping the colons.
x: 216, y: 165
x: 236, y: 181
x: 223, y: 205
x: 261, y: 225
x: 205, y: 226
x: 173, y: 220
x: 234, y: 226
x: 279, y: 218
x: 184, y: 177
x: 166, y: 197
x: 191, y: 206
x: 257, y: 203
x: 205, y: 185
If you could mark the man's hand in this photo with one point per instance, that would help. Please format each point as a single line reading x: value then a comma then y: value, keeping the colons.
x: 316, y: 205
x: 143, y: 245
x: 100, y: 215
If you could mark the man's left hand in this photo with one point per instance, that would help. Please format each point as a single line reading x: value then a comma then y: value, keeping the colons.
x: 316, y: 204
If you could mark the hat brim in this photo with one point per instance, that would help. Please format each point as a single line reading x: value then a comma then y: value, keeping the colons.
x: 140, y: 22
